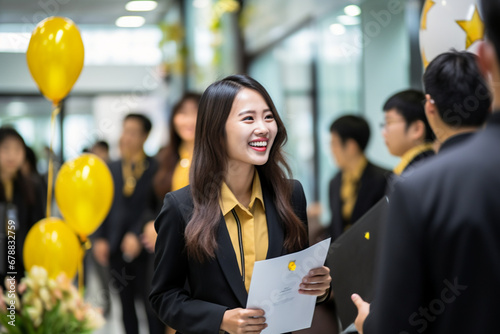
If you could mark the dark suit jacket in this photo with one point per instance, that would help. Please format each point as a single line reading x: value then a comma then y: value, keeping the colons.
x: 27, y: 216
x: 216, y: 284
x: 371, y: 189
x: 440, y: 264
x: 455, y: 140
x: 126, y: 212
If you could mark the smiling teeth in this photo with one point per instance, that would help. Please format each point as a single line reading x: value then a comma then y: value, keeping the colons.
x: 259, y: 143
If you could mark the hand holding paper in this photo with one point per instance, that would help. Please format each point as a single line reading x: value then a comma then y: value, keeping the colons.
x: 278, y: 288
x: 316, y: 282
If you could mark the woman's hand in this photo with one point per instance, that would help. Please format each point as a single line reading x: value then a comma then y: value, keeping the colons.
x: 316, y: 282
x: 239, y: 320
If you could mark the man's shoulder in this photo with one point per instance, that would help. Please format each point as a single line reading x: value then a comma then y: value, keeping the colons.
x: 376, y: 169
x: 458, y: 164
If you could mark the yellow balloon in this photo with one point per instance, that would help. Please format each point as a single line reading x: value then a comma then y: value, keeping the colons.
x: 52, y: 244
x: 55, y: 56
x: 84, y: 193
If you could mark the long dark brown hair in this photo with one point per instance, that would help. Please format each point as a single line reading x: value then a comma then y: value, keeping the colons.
x: 210, y: 164
x: 168, y: 157
x: 25, y: 185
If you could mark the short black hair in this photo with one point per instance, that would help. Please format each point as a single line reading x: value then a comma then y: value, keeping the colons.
x: 491, y: 12
x: 146, y: 123
x: 352, y: 127
x: 408, y: 103
x: 101, y: 143
x: 460, y: 93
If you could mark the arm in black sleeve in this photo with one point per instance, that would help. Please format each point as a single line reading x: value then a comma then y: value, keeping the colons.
x: 169, y: 299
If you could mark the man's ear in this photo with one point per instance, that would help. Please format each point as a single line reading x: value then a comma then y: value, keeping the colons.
x: 417, y: 130
x: 486, y: 58
x: 430, y: 107
x: 352, y: 146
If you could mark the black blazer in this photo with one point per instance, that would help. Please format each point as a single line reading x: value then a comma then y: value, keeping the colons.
x: 371, y: 189
x: 215, y: 285
x: 126, y: 212
x: 439, y: 269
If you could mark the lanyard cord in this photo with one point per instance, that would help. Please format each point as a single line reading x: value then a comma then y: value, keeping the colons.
x: 240, y: 241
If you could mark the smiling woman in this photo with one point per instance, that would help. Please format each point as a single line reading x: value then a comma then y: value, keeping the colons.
x: 240, y: 208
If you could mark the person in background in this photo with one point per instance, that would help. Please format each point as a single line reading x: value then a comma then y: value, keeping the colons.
x: 117, y: 242
x: 439, y: 265
x: 174, y: 161
x: 237, y: 180
x: 359, y: 184
x: 22, y: 199
x: 101, y: 149
x: 406, y: 131
x: 457, y: 97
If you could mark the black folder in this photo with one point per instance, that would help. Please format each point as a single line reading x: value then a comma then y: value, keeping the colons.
x: 352, y: 260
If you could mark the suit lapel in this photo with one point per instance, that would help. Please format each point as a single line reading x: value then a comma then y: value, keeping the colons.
x: 227, y: 260
x: 274, y: 227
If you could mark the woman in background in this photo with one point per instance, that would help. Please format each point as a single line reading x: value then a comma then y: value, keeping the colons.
x: 22, y: 199
x: 174, y: 160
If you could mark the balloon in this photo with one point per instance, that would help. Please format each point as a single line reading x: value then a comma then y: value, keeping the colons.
x: 84, y: 193
x: 52, y: 244
x: 55, y: 56
x: 449, y: 24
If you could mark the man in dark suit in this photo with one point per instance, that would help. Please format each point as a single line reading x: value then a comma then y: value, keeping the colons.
x: 451, y: 80
x: 439, y: 268
x: 117, y: 241
x: 359, y: 184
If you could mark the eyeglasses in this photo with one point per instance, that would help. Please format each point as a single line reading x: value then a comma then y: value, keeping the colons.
x: 385, y: 124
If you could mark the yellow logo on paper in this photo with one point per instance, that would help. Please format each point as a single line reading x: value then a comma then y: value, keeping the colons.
x: 367, y: 235
x: 292, y: 266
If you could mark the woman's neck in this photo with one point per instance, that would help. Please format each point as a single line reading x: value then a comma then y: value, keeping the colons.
x: 239, y: 178
x: 6, y: 177
x: 188, y: 146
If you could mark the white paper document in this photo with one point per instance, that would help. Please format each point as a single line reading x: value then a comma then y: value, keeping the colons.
x: 275, y: 289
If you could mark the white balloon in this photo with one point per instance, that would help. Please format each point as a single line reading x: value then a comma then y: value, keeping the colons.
x: 440, y: 29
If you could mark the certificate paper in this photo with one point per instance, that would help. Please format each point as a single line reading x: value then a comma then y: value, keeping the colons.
x: 275, y: 289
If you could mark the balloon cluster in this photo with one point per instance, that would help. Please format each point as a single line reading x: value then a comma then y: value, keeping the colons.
x: 84, y: 186
x: 84, y: 194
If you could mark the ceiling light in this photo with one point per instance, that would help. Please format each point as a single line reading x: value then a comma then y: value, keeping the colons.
x: 348, y: 20
x: 130, y: 21
x: 337, y: 29
x: 201, y: 3
x: 352, y: 10
x: 141, y: 6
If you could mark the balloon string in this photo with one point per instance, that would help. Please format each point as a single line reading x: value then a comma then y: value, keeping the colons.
x: 80, y: 273
x: 55, y: 112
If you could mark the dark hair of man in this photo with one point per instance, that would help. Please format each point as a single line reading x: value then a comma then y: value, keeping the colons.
x: 102, y: 144
x: 490, y: 13
x: 456, y: 85
x: 26, y: 186
x: 352, y: 127
x: 145, y: 122
x: 169, y: 158
x: 408, y: 103
x: 210, y: 163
